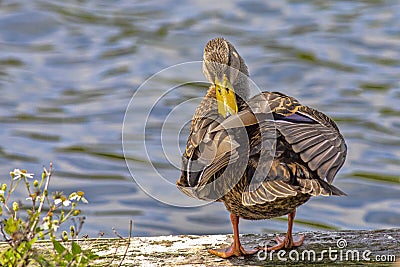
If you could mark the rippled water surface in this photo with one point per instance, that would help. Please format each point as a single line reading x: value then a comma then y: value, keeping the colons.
x: 68, y: 71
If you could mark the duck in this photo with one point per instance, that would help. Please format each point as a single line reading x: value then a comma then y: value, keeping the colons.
x: 262, y: 156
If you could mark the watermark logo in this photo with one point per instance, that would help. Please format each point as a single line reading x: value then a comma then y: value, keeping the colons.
x: 338, y: 253
x: 341, y: 243
x: 156, y: 127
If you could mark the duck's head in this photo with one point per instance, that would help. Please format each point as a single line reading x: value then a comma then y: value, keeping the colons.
x: 226, y: 70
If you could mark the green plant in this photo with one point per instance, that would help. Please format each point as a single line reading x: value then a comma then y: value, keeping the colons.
x: 42, y: 219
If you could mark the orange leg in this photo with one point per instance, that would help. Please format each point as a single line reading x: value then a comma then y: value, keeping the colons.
x: 287, y: 242
x: 236, y: 248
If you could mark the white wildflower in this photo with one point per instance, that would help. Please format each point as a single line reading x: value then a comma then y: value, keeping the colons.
x: 78, y: 196
x: 59, y: 201
x: 17, y: 174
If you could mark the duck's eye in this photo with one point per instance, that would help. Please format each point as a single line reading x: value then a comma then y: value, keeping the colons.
x: 227, y: 89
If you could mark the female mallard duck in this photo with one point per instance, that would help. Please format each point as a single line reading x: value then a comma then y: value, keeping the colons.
x: 229, y: 155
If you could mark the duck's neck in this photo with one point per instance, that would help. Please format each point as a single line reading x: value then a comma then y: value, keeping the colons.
x: 240, y: 101
x: 211, y: 92
x: 242, y: 89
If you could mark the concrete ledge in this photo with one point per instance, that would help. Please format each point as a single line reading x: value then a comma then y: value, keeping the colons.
x: 344, y: 246
x: 360, y: 247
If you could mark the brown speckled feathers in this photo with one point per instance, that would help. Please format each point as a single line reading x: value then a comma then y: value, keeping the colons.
x: 253, y: 183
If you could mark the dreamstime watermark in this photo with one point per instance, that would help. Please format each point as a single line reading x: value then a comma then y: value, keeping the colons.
x: 338, y: 253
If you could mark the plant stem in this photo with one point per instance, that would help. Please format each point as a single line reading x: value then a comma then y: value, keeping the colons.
x: 42, y: 198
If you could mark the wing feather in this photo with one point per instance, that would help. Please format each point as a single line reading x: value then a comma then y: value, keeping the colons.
x: 318, y: 145
x: 314, y: 137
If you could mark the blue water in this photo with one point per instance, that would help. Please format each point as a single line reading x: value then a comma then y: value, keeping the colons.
x: 69, y: 70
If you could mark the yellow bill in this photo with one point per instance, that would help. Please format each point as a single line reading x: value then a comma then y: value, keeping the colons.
x: 226, y: 97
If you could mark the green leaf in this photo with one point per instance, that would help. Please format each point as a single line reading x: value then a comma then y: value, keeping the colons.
x: 76, y: 249
x: 58, y: 247
x: 10, y: 225
x: 90, y: 255
x: 62, y: 251
x: 7, y: 258
x: 42, y: 260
